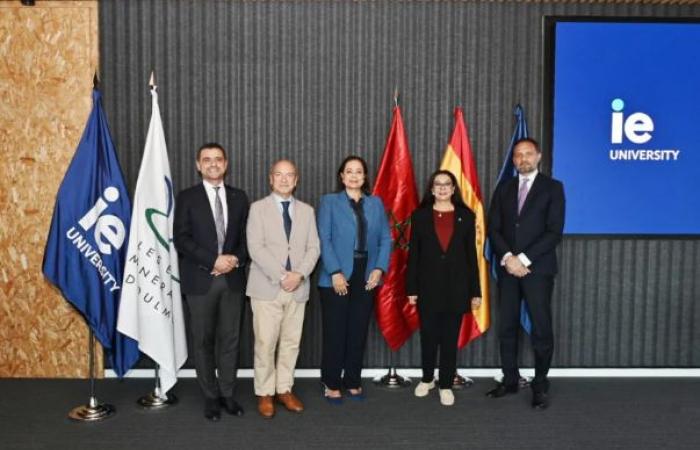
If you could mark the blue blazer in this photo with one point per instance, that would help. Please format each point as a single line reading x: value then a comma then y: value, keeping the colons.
x: 337, y: 231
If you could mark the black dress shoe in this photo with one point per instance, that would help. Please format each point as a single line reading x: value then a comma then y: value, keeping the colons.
x: 212, y: 411
x: 502, y: 390
x: 231, y: 406
x: 540, y: 400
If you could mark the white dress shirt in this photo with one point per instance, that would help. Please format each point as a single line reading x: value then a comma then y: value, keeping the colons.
x: 211, y: 195
x: 279, y: 199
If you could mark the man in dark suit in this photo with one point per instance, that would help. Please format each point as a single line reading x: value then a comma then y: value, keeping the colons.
x: 525, y: 224
x: 209, y: 234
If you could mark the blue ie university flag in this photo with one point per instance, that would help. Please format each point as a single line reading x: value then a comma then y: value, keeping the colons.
x: 86, y: 247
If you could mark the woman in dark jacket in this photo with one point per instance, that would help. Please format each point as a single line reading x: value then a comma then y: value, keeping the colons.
x: 442, y: 278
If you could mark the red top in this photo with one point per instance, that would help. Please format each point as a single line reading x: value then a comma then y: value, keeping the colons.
x: 444, y: 227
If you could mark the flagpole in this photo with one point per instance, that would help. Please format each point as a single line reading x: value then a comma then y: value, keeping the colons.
x: 156, y: 399
x: 94, y: 410
x: 392, y: 380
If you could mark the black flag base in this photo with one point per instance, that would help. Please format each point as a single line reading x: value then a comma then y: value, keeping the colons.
x: 392, y: 380
x: 155, y: 401
x: 459, y: 382
x: 92, y: 412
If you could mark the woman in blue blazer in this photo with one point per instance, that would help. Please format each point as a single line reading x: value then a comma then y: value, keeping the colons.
x: 355, y: 249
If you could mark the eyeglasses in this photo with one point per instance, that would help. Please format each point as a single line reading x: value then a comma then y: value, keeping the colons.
x: 439, y: 185
x: 284, y: 175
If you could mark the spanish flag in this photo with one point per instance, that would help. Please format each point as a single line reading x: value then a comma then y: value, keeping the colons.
x: 459, y: 160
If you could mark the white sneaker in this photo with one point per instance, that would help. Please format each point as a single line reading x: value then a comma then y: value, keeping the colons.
x: 447, y: 398
x: 423, y: 388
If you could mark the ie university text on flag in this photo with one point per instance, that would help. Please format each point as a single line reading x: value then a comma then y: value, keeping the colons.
x: 396, y: 186
x: 151, y: 308
x: 85, y: 250
x: 507, y: 172
x: 459, y: 160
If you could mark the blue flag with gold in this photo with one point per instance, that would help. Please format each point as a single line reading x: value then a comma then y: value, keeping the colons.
x: 507, y: 172
x: 86, y: 247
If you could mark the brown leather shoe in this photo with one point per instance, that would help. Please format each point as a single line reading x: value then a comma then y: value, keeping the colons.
x: 266, y: 407
x: 291, y: 402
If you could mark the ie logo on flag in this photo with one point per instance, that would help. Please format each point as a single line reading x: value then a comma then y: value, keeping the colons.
x: 107, y: 227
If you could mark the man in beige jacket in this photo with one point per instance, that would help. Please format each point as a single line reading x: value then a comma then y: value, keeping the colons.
x: 284, y: 247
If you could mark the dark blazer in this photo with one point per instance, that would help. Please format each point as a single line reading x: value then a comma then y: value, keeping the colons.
x: 443, y: 281
x: 195, y: 238
x: 337, y: 231
x: 536, y: 231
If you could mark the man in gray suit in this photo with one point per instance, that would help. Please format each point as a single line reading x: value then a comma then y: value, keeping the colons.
x: 284, y: 247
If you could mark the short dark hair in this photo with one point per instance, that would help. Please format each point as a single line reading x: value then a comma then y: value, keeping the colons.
x: 529, y: 140
x: 341, y: 169
x: 210, y: 145
x: 429, y: 198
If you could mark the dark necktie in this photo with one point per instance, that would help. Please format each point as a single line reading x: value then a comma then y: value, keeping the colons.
x: 287, y: 227
x: 219, y: 220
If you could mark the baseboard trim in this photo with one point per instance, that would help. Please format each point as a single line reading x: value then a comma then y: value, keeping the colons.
x: 472, y: 373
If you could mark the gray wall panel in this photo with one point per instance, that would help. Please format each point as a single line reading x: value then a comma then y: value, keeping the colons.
x: 314, y: 81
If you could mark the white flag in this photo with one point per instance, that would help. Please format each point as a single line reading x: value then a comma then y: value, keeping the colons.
x: 151, y: 306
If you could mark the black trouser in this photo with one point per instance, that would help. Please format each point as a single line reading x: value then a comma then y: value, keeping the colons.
x: 537, y: 292
x: 439, y: 329
x: 215, y: 323
x: 345, y: 324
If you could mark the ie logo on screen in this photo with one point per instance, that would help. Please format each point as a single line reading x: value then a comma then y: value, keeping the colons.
x: 637, y: 127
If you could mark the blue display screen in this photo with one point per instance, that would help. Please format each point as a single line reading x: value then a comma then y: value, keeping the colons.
x: 626, y: 126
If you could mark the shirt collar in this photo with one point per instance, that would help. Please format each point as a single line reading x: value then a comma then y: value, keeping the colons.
x: 211, y: 186
x: 351, y: 200
x: 530, y: 176
x: 279, y: 199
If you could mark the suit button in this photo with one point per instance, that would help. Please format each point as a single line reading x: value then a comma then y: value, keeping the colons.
x: 517, y: 225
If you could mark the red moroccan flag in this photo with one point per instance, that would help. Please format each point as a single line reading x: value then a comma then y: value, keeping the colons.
x: 396, y: 186
x: 459, y: 160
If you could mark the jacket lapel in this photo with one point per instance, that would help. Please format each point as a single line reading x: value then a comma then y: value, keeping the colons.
x: 272, y: 212
x: 532, y: 193
x: 230, y: 199
x: 344, y: 206
x: 511, y: 196
x: 206, y: 207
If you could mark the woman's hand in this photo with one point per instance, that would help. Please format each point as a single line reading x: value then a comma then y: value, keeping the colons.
x: 476, y: 302
x: 412, y: 300
x: 340, y: 284
x: 374, y: 277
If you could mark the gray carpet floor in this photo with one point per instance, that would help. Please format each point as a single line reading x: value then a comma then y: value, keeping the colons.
x: 584, y: 414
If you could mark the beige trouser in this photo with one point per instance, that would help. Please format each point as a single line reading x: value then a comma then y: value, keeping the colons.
x: 277, y: 325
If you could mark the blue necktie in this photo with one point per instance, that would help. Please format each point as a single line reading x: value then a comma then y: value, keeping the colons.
x: 287, y: 227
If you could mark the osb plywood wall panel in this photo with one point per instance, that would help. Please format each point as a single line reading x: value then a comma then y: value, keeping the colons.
x: 48, y: 54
